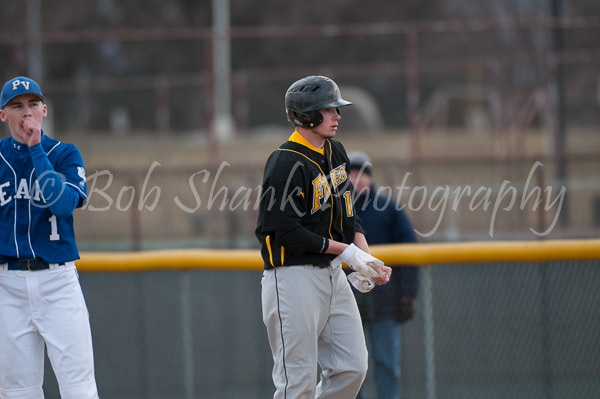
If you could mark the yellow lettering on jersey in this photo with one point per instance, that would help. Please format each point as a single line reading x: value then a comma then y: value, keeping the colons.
x: 321, y: 192
x: 338, y: 175
x: 349, y: 207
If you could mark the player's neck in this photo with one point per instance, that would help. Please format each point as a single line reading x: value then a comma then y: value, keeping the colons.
x: 18, y: 145
x: 313, y: 138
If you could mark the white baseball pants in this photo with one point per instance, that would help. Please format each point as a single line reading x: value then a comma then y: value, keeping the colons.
x: 311, y: 316
x: 45, y: 306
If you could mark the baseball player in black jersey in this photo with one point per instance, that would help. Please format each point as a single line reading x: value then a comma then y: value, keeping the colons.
x: 307, y: 227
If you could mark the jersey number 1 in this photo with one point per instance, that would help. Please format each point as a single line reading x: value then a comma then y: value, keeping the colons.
x: 348, y: 200
x: 54, y: 236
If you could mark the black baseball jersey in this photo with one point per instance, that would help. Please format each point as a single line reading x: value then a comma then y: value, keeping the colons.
x: 304, y: 188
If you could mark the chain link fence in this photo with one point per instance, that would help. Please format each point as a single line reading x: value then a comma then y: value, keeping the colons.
x: 485, y: 330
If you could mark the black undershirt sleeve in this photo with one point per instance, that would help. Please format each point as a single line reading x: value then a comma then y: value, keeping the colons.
x: 299, y: 240
x: 359, y: 227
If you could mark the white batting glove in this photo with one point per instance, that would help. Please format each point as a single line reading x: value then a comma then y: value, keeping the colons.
x: 359, y: 261
x: 360, y: 282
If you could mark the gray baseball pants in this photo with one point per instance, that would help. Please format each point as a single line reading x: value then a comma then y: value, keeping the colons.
x: 312, y: 317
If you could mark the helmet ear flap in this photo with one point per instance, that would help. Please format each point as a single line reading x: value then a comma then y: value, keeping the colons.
x: 315, y: 118
x: 306, y: 120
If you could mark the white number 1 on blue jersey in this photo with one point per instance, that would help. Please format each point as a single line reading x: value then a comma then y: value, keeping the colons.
x: 54, y: 236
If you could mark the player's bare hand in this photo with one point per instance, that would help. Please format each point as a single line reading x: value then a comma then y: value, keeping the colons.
x: 32, y: 131
x: 384, y: 273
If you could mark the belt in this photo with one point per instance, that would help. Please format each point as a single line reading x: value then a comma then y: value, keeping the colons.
x: 323, y: 265
x: 29, y: 264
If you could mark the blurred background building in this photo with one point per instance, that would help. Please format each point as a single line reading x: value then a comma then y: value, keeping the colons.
x: 495, y: 85
x: 176, y: 104
x: 189, y: 85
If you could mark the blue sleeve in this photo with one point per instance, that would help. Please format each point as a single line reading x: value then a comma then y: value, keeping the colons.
x: 61, y: 197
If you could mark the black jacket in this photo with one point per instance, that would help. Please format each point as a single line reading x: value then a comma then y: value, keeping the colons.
x: 384, y: 222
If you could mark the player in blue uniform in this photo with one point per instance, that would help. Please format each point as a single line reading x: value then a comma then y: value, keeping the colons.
x: 42, y: 181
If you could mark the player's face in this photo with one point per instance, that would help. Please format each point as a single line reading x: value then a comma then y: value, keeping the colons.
x: 20, y: 108
x: 328, y: 127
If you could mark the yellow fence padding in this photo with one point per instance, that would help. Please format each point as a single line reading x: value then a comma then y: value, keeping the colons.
x: 422, y: 254
x: 179, y: 259
x: 492, y: 251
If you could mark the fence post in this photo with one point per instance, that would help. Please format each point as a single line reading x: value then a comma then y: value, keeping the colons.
x: 187, y: 345
x: 428, y: 333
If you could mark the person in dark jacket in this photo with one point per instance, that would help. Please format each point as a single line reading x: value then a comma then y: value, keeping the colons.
x: 385, y: 309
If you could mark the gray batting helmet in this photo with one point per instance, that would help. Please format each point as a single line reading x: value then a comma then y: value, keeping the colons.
x: 307, y: 96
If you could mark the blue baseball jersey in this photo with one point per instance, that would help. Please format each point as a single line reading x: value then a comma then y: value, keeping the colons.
x: 40, y: 187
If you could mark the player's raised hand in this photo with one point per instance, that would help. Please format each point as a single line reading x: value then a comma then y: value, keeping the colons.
x: 32, y: 131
